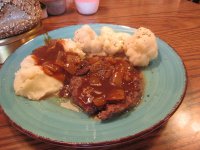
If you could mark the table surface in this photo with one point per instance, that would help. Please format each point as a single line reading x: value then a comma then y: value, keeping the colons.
x: 178, y: 23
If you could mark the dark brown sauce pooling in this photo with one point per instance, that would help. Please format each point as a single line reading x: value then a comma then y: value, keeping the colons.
x: 55, y: 61
x: 48, y: 53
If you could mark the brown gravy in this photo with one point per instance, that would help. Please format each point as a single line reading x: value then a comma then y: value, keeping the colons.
x: 55, y: 61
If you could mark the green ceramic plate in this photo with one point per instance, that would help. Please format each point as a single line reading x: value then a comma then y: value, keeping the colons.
x: 165, y: 86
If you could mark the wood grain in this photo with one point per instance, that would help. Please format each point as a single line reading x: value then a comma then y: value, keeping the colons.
x: 178, y: 23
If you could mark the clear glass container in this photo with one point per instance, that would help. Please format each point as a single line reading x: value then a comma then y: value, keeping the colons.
x: 55, y: 7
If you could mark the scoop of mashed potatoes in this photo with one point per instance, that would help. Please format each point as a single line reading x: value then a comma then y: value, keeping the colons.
x: 71, y: 46
x: 142, y: 47
x: 88, y: 41
x: 31, y: 82
x: 113, y: 42
x: 84, y: 34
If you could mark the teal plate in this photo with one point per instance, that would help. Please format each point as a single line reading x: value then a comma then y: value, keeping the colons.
x: 165, y: 86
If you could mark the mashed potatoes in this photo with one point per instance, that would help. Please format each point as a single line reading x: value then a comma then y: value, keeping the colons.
x: 142, y: 47
x: 31, y: 82
x: 113, y: 42
x: 88, y: 41
x: 71, y: 46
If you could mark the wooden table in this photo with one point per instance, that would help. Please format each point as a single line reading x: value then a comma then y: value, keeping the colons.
x: 175, y: 21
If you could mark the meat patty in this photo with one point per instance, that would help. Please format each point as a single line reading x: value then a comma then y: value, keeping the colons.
x: 80, y: 96
x: 107, y: 87
x: 112, y: 110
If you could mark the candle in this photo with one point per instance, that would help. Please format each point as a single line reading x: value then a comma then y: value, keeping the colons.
x: 87, y: 7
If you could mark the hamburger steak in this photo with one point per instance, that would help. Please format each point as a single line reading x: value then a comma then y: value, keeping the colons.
x: 106, y: 86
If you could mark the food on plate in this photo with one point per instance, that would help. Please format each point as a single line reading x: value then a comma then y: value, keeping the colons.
x: 34, y: 79
x: 142, y: 47
x: 108, y: 42
x: 71, y: 46
x: 113, y: 42
x: 89, y: 41
x: 97, y: 72
x: 109, y: 87
x: 31, y: 81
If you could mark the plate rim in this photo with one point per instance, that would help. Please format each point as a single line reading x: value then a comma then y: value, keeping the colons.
x: 109, y: 142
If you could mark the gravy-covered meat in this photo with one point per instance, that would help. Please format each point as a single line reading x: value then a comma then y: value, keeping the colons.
x: 108, y: 87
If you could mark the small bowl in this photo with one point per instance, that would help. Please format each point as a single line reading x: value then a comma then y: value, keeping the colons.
x: 87, y: 7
